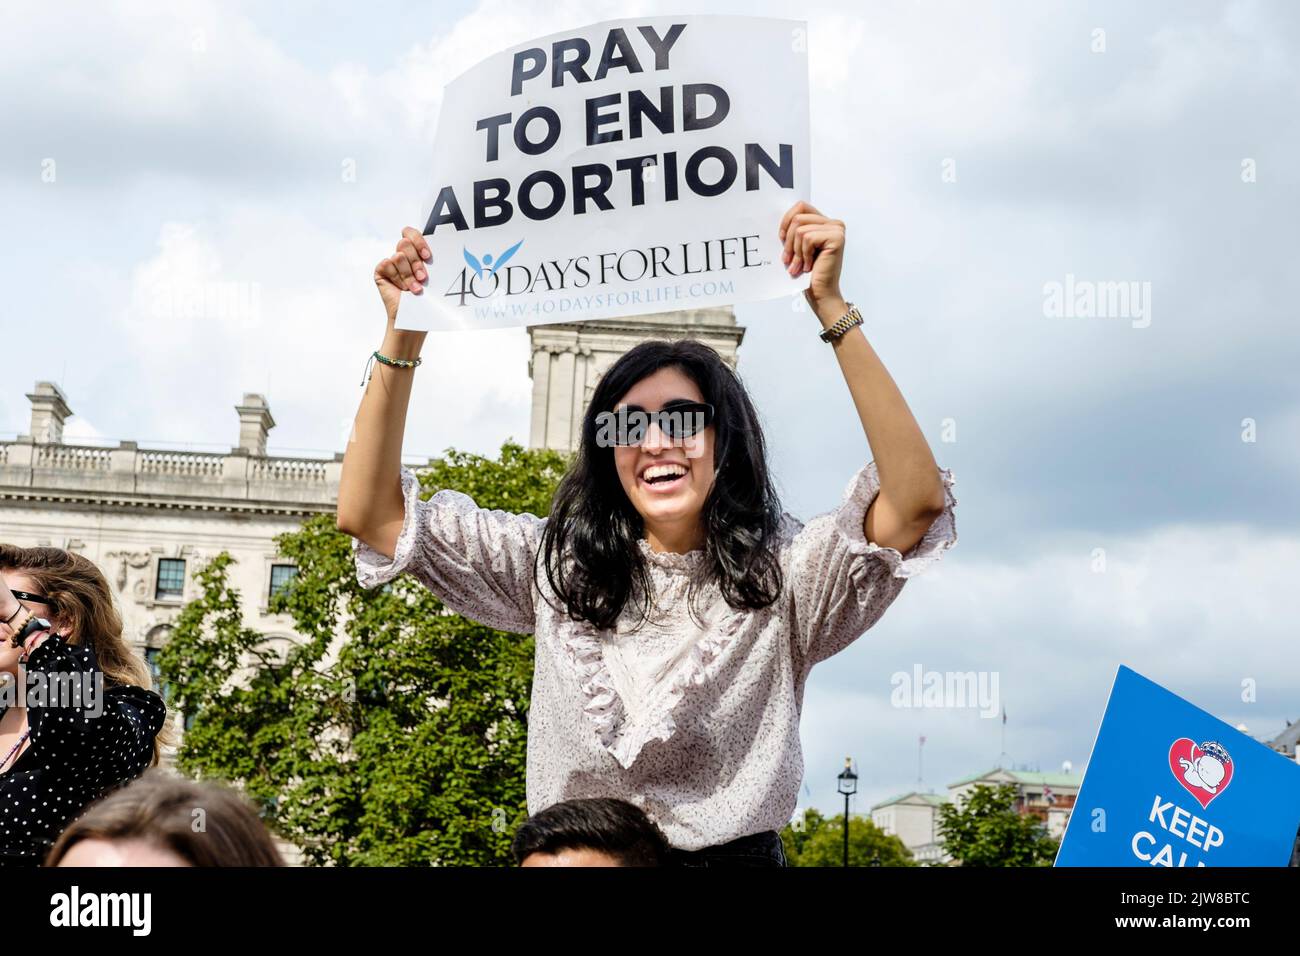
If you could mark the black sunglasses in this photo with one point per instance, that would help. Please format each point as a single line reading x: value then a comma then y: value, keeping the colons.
x: 36, y: 598
x: 629, y: 424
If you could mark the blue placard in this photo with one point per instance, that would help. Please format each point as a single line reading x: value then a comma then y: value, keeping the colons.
x: 1170, y: 785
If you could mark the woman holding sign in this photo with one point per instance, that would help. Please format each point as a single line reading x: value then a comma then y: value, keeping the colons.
x: 677, y: 609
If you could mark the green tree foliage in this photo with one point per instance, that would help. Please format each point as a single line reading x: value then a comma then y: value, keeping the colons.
x: 819, y: 841
x: 987, y: 830
x: 392, y: 732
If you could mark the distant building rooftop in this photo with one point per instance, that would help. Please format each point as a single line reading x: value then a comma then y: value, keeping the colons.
x: 934, y: 799
x: 1287, y: 741
x: 1030, y: 777
x: 38, y: 468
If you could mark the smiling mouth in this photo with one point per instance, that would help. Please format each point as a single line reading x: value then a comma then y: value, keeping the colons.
x: 664, y: 479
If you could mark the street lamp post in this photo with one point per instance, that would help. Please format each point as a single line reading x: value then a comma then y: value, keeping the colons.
x: 848, y: 784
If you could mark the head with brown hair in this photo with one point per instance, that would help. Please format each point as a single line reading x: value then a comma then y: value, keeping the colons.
x: 165, y: 820
x: 79, y: 605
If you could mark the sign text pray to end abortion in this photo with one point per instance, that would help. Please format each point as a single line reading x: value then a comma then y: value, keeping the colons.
x: 627, y: 167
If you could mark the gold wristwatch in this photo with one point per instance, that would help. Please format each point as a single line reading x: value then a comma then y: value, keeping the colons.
x: 847, y: 321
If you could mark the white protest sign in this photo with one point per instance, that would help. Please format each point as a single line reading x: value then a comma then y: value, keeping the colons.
x: 627, y: 167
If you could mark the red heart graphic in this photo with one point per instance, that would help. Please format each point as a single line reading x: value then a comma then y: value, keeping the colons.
x: 1185, y: 760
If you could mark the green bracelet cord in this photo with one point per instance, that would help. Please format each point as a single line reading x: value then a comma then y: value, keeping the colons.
x: 396, y: 363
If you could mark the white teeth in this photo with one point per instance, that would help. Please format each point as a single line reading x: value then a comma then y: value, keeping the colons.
x: 659, y: 470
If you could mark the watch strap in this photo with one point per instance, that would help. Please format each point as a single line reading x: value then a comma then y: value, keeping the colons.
x: 847, y: 321
x: 33, y: 625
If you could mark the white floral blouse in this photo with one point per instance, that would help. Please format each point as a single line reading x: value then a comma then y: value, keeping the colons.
x: 700, y: 728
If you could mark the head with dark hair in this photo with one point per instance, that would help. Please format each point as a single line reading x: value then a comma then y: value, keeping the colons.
x: 725, y: 503
x: 155, y: 821
x: 606, y: 828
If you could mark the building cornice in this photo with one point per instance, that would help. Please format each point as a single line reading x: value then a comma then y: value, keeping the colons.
x: 164, y: 503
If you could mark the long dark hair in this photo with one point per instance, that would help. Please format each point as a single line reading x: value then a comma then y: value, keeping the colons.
x: 589, y: 545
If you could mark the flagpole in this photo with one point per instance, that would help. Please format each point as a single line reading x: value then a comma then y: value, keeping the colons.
x: 1003, y: 754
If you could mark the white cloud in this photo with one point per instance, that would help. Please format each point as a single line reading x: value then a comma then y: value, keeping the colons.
x: 1196, y: 609
x: 199, y: 159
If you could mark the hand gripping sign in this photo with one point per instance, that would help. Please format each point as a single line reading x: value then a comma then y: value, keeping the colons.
x: 1170, y: 785
x: 618, y: 169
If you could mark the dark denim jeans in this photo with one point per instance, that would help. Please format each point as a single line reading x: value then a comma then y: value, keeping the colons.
x: 756, y: 849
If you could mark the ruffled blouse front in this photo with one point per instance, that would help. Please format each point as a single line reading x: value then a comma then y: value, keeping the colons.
x: 699, y: 726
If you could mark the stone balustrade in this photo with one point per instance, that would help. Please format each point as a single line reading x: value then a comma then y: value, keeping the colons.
x: 303, y: 484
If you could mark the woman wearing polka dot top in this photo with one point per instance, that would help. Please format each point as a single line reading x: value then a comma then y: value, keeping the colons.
x: 677, y: 609
x: 77, y: 720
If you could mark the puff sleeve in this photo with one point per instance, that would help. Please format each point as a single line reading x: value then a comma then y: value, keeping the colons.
x: 840, y: 582
x: 478, y: 561
x: 107, y: 730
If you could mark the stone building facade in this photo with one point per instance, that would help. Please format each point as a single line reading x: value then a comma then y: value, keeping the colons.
x: 150, y: 517
x: 568, y: 359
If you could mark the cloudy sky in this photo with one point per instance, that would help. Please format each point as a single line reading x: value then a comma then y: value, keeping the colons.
x: 978, y: 153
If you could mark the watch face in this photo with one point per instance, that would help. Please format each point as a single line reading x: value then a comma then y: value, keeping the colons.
x: 34, y: 625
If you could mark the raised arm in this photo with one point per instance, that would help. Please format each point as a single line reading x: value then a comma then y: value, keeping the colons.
x: 911, y: 490
x: 370, y: 504
x: 896, y: 517
x: 478, y: 561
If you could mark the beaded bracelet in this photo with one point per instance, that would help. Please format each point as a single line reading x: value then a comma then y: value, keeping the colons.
x: 395, y: 363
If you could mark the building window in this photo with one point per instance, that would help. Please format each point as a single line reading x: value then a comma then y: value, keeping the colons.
x: 171, y: 579
x: 154, y: 642
x: 151, y: 658
x: 281, y: 575
x: 160, y: 687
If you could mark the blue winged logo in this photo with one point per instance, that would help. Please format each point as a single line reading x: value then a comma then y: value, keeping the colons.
x: 487, y: 265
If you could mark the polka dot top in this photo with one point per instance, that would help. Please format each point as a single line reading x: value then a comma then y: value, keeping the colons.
x: 697, y: 726
x: 78, y: 749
